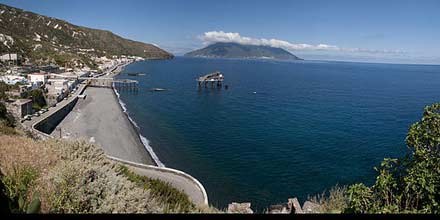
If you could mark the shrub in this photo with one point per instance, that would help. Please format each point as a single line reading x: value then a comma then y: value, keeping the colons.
x: 7, y: 130
x: 38, y: 100
x: 335, y: 201
x: 6, y: 120
x: 3, y: 110
x: 18, y: 186
x: 5, y: 201
x: 177, y: 201
x: 410, y: 184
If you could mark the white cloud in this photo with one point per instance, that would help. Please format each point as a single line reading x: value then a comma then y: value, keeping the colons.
x: 220, y: 36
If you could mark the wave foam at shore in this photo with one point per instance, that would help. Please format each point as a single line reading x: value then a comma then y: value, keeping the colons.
x: 144, y: 140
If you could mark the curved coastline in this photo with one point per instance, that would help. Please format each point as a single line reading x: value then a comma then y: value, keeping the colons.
x: 142, y: 139
x: 200, y: 197
x: 78, y: 118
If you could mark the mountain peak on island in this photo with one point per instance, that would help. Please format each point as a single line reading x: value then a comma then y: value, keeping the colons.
x: 236, y: 50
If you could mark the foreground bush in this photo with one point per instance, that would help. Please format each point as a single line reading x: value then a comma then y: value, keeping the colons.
x: 57, y: 176
x: 410, y: 184
x: 17, y: 187
x: 335, y: 201
x: 175, y: 200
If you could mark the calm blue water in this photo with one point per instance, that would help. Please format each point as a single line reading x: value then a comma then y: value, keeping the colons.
x: 310, y: 125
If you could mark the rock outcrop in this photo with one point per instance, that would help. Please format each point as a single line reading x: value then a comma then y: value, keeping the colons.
x: 310, y: 207
x: 291, y: 207
x: 240, y: 208
x: 294, y: 207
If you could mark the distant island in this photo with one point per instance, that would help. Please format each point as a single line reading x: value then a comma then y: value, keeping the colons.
x: 235, y: 50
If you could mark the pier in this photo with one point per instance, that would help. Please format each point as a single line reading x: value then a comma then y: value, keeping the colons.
x: 122, y: 84
x: 126, y: 84
x: 215, y: 78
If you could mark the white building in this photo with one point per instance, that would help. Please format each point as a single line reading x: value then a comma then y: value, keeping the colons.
x: 57, y: 86
x: 13, y: 79
x: 37, y: 78
x: 9, y: 57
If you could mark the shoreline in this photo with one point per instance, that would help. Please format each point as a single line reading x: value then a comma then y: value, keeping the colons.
x: 97, y: 119
x: 143, y: 140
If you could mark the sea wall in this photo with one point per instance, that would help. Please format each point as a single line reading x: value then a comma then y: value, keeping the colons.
x: 48, y: 124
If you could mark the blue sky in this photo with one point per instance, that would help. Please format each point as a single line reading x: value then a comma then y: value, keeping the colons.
x: 378, y: 31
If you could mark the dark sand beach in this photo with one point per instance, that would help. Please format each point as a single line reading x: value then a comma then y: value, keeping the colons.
x: 100, y: 119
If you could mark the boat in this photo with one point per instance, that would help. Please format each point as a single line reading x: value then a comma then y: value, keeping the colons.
x: 158, y: 89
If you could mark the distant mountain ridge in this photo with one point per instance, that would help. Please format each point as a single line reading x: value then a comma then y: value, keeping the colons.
x: 45, y: 39
x: 235, y: 50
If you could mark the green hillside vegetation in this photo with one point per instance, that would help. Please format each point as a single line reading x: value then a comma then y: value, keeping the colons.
x: 38, y: 100
x: 46, y: 40
x: 7, y: 121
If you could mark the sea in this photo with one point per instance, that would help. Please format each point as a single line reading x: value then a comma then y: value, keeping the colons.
x: 281, y: 129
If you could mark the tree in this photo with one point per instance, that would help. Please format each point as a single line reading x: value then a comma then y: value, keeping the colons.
x: 410, y: 184
x: 37, y: 97
x: 2, y: 111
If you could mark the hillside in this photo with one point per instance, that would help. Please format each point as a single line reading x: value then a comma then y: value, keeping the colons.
x: 235, y: 50
x: 58, y: 176
x: 43, y: 39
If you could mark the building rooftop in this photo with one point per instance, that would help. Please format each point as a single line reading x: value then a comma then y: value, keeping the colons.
x: 22, y: 101
x: 38, y: 73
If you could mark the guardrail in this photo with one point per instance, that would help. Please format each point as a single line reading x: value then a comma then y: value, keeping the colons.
x: 166, y: 170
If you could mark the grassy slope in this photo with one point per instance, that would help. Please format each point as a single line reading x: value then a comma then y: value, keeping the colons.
x: 76, y: 177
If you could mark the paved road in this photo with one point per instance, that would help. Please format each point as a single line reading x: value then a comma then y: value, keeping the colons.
x: 52, y: 110
x: 111, y: 73
x: 177, y: 181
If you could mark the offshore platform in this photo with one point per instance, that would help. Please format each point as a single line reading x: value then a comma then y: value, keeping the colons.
x: 216, y: 78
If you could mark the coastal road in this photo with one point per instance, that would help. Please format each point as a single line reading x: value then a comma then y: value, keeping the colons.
x: 116, y: 69
x: 177, y: 181
x: 52, y: 110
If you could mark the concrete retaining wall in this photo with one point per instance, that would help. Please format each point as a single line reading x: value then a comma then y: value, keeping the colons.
x: 48, y: 124
x: 166, y: 170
